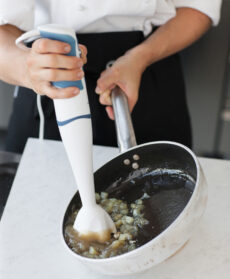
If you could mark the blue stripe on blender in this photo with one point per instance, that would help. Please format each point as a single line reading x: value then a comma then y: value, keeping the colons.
x: 65, y: 122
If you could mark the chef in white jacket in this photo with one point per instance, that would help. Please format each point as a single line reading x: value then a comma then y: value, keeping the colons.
x: 143, y: 37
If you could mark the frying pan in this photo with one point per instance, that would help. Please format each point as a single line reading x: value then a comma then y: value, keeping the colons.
x: 170, y: 173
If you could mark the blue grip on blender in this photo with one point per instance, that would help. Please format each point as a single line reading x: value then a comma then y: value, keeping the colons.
x: 71, y: 41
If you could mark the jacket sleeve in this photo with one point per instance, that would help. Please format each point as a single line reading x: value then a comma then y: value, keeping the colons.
x: 17, y: 12
x: 211, y: 8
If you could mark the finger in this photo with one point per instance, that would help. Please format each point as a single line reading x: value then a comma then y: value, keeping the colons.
x: 105, y: 92
x: 59, y: 93
x: 83, y: 53
x: 43, y: 46
x: 83, y: 49
x: 59, y: 74
x: 102, y: 73
x: 59, y: 61
x: 107, y: 81
x: 105, y: 99
x: 110, y: 112
x: 99, y: 91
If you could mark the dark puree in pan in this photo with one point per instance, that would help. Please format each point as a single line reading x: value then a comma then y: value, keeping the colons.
x: 142, y: 206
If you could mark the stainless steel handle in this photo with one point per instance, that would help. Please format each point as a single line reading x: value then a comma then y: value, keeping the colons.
x: 123, y: 122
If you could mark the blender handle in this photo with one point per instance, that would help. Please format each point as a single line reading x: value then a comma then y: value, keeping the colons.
x: 123, y: 122
x: 54, y: 32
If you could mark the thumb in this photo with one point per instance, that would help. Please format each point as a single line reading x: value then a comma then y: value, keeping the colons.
x: 107, y: 81
x: 110, y: 112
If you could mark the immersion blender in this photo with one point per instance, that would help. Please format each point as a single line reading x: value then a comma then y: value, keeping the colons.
x: 74, y: 122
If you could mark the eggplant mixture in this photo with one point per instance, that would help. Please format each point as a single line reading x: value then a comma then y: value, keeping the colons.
x: 128, y: 218
x: 141, y: 207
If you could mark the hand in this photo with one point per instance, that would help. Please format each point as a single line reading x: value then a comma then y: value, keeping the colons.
x: 47, y: 61
x: 126, y: 73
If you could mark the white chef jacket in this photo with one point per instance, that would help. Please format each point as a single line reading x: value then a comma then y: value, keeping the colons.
x: 100, y: 15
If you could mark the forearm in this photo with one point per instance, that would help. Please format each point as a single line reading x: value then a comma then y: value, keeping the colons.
x: 13, y: 68
x: 178, y: 33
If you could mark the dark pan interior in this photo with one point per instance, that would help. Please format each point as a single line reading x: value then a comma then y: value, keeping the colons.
x: 166, y: 172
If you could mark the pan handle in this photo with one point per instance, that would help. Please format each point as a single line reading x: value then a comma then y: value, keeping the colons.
x: 123, y: 122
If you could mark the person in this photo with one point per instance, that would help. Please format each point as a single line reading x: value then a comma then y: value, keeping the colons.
x: 142, y: 37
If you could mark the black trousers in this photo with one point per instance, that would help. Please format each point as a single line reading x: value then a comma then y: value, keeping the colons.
x: 160, y: 114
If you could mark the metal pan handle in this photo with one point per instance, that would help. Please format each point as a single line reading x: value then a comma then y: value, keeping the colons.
x: 123, y: 122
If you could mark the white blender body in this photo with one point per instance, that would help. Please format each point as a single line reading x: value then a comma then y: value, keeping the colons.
x: 74, y: 122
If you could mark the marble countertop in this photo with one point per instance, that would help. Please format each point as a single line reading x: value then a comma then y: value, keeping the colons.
x: 31, y: 245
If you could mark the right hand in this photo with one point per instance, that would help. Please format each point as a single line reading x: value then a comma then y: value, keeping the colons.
x: 47, y: 61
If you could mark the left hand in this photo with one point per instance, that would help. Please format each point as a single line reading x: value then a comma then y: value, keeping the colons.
x: 126, y: 73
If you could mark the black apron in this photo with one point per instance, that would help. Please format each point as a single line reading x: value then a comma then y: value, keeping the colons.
x: 160, y: 114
